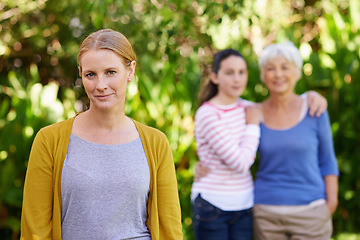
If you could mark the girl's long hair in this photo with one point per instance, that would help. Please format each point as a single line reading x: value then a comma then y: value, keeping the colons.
x: 209, y: 90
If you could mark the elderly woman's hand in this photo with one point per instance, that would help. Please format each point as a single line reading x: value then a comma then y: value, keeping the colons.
x: 332, y: 205
x: 317, y: 103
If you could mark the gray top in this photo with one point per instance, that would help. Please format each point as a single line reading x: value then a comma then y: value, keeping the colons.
x: 104, y: 191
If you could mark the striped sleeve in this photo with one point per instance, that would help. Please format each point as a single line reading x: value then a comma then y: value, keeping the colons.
x: 237, y: 155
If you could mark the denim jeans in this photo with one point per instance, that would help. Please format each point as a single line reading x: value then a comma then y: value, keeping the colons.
x: 212, y: 223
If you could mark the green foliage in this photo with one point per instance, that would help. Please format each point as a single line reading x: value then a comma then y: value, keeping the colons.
x: 175, y: 41
x: 26, y: 106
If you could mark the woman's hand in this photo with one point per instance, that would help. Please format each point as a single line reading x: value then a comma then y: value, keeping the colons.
x: 200, y: 171
x: 317, y: 103
x: 253, y: 114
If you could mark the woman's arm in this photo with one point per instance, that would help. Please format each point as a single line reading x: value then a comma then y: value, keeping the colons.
x: 327, y: 161
x: 37, y: 208
x: 169, y: 211
x: 331, y: 188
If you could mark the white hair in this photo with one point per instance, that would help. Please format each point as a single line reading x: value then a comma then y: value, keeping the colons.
x: 286, y: 50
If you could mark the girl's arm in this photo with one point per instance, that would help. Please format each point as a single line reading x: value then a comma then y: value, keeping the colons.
x: 317, y: 103
x: 238, y: 156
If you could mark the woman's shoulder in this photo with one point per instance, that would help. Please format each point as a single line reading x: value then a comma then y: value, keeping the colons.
x: 148, y: 130
x: 59, y: 126
x: 323, y: 118
x: 55, y: 134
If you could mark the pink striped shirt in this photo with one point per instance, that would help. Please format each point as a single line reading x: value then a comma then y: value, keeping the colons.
x: 228, y: 147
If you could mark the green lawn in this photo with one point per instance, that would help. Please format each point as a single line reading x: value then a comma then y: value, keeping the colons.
x: 347, y: 236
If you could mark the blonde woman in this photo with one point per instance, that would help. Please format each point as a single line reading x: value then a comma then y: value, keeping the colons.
x: 101, y: 174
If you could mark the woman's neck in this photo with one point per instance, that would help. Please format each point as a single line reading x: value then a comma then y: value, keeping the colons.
x: 104, y: 128
x: 282, y: 112
x: 282, y: 101
x: 106, y: 120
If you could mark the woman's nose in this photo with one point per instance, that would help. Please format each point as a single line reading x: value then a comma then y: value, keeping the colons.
x: 101, y: 83
x: 278, y: 72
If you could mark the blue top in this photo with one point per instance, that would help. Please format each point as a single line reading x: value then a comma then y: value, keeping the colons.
x: 294, y: 161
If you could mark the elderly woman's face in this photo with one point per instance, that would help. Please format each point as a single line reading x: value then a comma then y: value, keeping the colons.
x: 280, y: 75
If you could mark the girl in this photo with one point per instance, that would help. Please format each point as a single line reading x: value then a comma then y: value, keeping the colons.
x: 226, y: 145
x: 227, y: 136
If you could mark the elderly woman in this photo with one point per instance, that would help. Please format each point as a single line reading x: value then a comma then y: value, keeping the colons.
x: 296, y: 185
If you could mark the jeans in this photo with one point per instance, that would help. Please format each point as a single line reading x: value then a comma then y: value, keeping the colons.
x: 212, y: 223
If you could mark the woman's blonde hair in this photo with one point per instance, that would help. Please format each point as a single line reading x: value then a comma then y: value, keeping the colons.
x: 107, y: 39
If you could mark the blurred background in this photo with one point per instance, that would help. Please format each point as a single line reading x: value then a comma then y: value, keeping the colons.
x: 174, y: 41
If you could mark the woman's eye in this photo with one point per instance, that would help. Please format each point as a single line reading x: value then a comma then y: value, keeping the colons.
x: 89, y: 75
x: 111, y: 72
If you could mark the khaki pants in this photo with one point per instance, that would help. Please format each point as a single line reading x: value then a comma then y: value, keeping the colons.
x: 314, y: 224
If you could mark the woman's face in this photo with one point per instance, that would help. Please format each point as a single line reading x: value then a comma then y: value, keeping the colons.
x: 105, y: 77
x: 280, y: 75
x: 231, y: 78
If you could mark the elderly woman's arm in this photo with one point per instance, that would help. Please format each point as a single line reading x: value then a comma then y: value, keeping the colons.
x: 331, y: 188
x: 328, y: 162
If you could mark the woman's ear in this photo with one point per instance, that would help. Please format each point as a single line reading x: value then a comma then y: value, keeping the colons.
x: 131, y: 70
x: 214, y: 78
x: 299, y: 73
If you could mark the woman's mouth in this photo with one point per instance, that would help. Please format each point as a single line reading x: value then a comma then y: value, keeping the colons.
x: 103, y: 96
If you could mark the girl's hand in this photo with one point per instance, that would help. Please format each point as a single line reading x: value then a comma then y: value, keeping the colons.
x: 253, y: 114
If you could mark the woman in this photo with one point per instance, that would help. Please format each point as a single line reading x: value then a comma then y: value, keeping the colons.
x: 296, y: 185
x: 227, y: 135
x: 100, y: 174
x: 226, y: 144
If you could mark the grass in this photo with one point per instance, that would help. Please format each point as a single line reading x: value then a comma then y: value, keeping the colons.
x: 347, y: 236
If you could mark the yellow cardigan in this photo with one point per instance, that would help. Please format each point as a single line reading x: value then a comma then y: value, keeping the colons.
x: 41, y: 211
